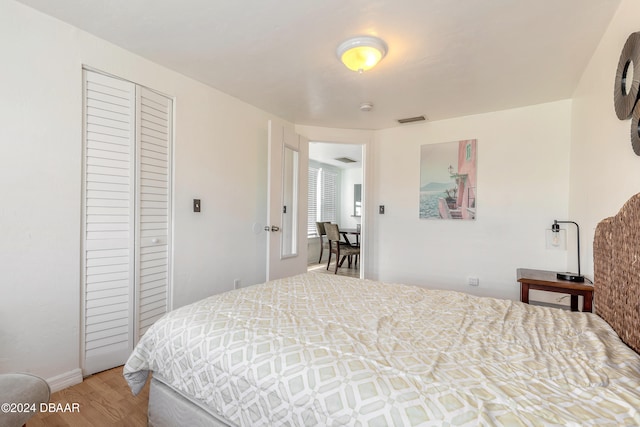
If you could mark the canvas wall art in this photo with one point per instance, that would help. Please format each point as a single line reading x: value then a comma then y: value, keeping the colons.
x: 448, y: 174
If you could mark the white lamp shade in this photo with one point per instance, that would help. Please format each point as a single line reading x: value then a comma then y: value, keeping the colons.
x: 361, y: 53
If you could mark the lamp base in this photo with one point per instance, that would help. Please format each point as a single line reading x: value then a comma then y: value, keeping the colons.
x: 571, y: 277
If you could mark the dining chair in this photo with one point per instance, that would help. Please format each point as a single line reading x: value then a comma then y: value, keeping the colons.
x: 321, y: 232
x: 341, y: 250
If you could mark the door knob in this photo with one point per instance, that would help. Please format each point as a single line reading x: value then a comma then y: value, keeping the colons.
x: 154, y: 240
x: 275, y: 228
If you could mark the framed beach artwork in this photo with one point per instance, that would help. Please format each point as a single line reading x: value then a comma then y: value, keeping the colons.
x: 448, y: 180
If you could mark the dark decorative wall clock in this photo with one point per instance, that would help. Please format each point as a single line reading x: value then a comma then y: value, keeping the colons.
x: 635, y: 131
x: 627, y: 88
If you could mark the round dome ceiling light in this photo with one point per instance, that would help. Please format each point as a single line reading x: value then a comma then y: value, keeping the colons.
x: 361, y: 53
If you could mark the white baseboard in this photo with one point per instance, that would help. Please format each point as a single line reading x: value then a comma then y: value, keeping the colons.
x: 65, y: 380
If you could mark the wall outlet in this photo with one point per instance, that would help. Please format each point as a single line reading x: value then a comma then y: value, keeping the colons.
x: 473, y: 281
x: 236, y: 283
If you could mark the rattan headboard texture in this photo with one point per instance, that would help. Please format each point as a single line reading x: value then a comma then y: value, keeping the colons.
x: 616, y: 264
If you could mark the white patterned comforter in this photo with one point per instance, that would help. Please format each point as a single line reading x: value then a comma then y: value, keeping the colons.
x: 325, y: 350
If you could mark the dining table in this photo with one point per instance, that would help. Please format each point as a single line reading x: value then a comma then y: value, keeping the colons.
x: 353, y: 232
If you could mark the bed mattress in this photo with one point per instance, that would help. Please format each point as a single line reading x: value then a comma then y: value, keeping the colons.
x: 320, y: 349
x: 169, y: 408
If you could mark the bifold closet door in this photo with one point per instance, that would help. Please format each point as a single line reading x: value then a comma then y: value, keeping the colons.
x: 126, y: 216
x: 153, y: 216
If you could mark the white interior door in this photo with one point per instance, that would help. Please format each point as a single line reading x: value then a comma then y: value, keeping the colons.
x: 153, y: 213
x: 126, y: 216
x: 287, y: 202
x: 109, y: 228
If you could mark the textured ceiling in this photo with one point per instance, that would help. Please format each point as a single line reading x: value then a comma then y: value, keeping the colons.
x: 446, y: 58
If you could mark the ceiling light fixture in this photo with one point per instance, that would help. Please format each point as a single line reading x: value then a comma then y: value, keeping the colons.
x: 361, y: 53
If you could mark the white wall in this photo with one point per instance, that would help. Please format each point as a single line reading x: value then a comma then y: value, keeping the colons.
x: 350, y: 177
x: 220, y: 157
x: 523, y: 182
x: 605, y: 171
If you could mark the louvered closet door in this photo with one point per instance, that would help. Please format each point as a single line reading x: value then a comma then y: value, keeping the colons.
x: 153, y: 202
x: 109, y: 234
x: 127, y: 220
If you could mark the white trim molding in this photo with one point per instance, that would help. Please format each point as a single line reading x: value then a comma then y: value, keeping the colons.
x: 65, y: 380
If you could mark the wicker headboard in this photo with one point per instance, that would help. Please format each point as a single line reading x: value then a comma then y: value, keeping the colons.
x: 616, y: 257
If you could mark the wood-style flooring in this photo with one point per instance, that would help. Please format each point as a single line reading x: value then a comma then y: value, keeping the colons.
x: 342, y: 271
x: 105, y: 400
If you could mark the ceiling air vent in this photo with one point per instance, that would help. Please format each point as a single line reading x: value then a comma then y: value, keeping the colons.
x: 412, y: 119
x: 345, y: 160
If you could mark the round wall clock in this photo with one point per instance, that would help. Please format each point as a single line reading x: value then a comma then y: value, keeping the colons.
x: 625, y: 93
x: 635, y: 131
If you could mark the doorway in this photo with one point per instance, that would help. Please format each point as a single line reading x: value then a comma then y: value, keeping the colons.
x: 336, y: 194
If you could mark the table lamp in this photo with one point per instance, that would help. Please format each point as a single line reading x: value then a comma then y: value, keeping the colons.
x: 572, y: 277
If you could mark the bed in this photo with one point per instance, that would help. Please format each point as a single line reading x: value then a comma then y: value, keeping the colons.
x: 319, y: 349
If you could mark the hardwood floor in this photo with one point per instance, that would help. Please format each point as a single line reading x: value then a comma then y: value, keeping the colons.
x: 105, y: 400
x: 342, y: 271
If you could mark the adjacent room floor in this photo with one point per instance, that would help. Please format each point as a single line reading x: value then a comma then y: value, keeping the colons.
x: 342, y: 271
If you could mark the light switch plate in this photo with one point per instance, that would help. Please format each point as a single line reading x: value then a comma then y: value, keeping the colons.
x: 196, y: 205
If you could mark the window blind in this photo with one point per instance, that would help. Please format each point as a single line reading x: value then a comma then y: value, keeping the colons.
x: 322, y: 198
x: 312, y: 201
x: 329, y: 195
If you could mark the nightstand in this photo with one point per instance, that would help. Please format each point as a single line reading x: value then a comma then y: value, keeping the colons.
x: 543, y: 280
